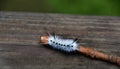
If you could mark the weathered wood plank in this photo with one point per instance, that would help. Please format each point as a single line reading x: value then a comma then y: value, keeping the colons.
x: 20, y: 32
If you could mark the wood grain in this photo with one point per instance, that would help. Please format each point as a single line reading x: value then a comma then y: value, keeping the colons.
x: 20, y: 34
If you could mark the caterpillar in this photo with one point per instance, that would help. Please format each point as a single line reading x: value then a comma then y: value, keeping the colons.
x: 67, y: 45
x: 70, y: 45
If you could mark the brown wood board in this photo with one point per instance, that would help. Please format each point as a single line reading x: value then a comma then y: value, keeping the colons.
x: 20, y: 34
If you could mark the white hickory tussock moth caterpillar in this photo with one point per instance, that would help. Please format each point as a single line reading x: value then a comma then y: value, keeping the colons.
x: 57, y: 42
x: 67, y: 45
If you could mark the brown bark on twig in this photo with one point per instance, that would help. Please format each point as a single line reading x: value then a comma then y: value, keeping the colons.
x: 99, y: 55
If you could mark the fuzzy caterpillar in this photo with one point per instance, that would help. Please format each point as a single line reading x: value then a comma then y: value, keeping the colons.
x: 67, y: 45
x: 70, y: 45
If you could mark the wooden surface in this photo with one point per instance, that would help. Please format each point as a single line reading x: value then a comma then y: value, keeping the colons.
x: 20, y: 34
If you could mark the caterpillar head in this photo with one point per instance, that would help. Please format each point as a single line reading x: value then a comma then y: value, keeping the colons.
x: 44, y: 39
x: 56, y: 42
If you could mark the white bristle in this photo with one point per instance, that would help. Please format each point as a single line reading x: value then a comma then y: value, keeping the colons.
x: 67, y: 45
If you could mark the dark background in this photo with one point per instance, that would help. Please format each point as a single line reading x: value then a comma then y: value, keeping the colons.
x: 82, y: 7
